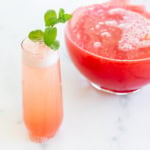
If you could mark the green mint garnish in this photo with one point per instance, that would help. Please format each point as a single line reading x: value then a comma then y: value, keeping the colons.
x: 50, y: 18
x: 55, y: 45
x: 62, y: 16
x: 36, y: 35
x: 48, y: 36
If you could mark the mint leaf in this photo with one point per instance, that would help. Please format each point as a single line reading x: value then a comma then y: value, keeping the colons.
x: 67, y: 17
x: 61, y: 13
x: 50, y: 35
x: 55, y: 45
x: 62, y: 16
x: 50, y: 18
x: 36, y: 35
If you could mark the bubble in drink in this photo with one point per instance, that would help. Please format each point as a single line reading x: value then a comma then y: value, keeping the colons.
x: 119, y: 29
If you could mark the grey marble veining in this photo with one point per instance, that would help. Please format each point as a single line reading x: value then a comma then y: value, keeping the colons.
x: 19, y: 122
x: 121, y: 128
x: 44, y: 146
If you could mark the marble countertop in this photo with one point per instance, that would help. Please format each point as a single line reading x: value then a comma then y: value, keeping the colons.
x: 92, y: 120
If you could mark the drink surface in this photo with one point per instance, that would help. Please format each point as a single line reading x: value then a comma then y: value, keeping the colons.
x: 42, y: 97
x: 117, y: 32
x: 37, y: 54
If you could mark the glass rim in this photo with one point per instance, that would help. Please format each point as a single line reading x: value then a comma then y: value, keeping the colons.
x: 30, y: 58
x: 26, y: 51
x: 22, y: 42
x: 98, y: 56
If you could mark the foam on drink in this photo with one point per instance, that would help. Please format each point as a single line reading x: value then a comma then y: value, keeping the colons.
x: 37, y: 54
x: 121, y: 31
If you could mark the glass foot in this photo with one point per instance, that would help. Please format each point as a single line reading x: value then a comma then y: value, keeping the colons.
x: 112, y: 91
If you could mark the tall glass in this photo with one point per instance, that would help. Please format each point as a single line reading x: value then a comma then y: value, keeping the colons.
x: 42, y: 93
x: 109, y: 43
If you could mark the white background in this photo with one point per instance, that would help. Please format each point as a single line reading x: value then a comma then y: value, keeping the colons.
x: 92, y: 120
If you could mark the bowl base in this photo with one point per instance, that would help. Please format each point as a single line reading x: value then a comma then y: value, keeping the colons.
x: 97, y: 87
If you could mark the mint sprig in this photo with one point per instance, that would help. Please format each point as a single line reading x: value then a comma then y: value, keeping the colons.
x: 36, y: 35
x: 50, y: 18
x: 49, y: 35
x: 63, y: 17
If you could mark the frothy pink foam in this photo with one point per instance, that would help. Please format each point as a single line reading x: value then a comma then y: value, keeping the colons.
x: 111, y: 31
x: 135, y: 28
x: 38, y: 54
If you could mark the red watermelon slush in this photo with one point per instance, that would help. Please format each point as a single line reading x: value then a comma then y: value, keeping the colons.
x: 110, y: 45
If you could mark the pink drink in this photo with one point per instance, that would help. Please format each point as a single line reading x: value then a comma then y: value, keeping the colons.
x: 42, y: 96
x: 110, y: 45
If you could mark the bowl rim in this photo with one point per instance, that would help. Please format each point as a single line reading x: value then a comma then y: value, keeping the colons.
x: 98, y: 56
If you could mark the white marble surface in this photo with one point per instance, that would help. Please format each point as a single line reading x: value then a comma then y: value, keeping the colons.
x: 92, y: 120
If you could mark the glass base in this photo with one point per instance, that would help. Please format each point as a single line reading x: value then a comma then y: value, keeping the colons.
x: 97, y: 87
x: 40, y: 139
